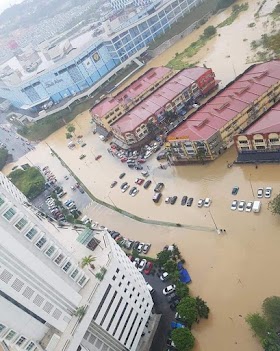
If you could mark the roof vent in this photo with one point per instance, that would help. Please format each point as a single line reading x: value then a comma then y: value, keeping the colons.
x: 222, y: 107
x: 202, y: 123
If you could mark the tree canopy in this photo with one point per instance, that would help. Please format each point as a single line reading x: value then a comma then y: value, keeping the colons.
x: 187, y: 310
x: 274, y: 205
x: 3, y: 157
x: 271, y: 310
x: 182, y: 290
x: 202, y: 308
x: 209, y: 31
x: 258, y: 324
x: 30, y: 181
x: 163, y: 257
x: 183, y: 339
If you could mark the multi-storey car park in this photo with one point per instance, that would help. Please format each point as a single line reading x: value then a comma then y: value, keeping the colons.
x: 211, y: 129
x: 61, y: 74
x: 42, y: 285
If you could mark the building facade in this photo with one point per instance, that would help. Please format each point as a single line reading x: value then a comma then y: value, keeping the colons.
x: 111, y: 109
x: 174, y: 97
x: 210, y: 130
x: 42, y: 286
x: 80, y: 70
x: 261, y: 141
x: 121, y: 4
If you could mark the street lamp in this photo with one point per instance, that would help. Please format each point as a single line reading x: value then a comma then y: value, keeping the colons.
x: 251, y: 186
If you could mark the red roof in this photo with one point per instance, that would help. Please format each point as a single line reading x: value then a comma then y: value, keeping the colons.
x: 157, y: 101
x: 229, y: 102
x: 132, y: 91
x: 269, y: 123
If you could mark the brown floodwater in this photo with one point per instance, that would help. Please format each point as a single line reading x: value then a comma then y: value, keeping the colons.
x: 233, y: 272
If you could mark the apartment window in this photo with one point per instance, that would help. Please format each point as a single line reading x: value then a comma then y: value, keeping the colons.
x: 128, y: 283
x: 121, y: 316
x: 10, y: 335
x: 82, y: 280
x: 130, y: 296
x: 120, y: 284
x: 31, y: 233
x: 67, y: 266
x: 2, y: 327
x: 21, y: 224
x: 147, y: 304
x: 117, y: 270
x: 74, y: 273
x: 138, y: 294
x: 133, y: 289
x: 126, y: 322
x: 114, y: 314
x: 145, y: 311
x: 40, y: 243
x: 50, y: 251
x: 59, y: 259
x: 258, y: 140
x: 123, y: 277
x: 9, y: 214
x: 20, y: 341
x: 30, y: 346
x: 243, y: 142
x: 125, y: 290
x: 114, y: 277
x: 102, y: 301
x: 274, y: 140
x: 1, y: 201
x: 108, y: 308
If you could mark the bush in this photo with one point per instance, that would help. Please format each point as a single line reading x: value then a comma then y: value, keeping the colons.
x: 30, y: 181
x: 202, y: 308
x: 3, y: 157
x: 183, y: 339
x: 209, y: 31
x: 271, y: 310
x: 187, y: 310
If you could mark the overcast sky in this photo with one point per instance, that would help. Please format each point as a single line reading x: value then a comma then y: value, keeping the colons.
x: 6, y: 3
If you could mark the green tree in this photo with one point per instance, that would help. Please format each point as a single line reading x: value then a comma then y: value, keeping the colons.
x: 163, y: 257
x: 170, y: 266
x: 176, y: 252
x: 174, y: 276
x: 209, y: 31
x: 68, y: 135
x: 70, y: 128
x: 271, y: 310
x: 80, y: 311
x: 274, y: 205
x: 202, y: 308
x: 3, y: 157
x: 187, y: 310
x: 88, y: 261
x: 182, y: 290
x: 258, y: 324
x: 271, y: 342
x: 183, y: 339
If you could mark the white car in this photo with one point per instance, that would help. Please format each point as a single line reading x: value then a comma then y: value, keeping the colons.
x: 207, y: 202
x: 249, y: 206
x: 168, y: 199
x: 200, y: 203
x: 142, y: 265
x: 268, y: 191
x: 135, y: 192
x: 241, y: 206
x: 169, y: 289
x: 164, y: 276
x: 124, y: 189
x: 234, y: 205
x: 140, y: 247
x: 260, y: 192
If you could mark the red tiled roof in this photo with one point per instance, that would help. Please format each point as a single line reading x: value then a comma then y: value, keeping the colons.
x: 229, y: 102
x: 268, y: 123
x: 132, y: 91
x: 158, y: 99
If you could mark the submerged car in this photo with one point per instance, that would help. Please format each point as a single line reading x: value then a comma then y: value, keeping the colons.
x: 234, y: 205
x: 235, y: 190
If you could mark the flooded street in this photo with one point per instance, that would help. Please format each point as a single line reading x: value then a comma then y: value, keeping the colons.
x: 229, y: 271
x: 232, y: 272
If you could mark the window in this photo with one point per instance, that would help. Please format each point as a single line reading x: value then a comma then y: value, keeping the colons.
x: 1, y: 201
x: 114, y: 277
x: 9, y: 214
x: 120, y: 284
x: 67, y: 266
x: 128, y: 283
x: 40, y: 243
x: 50, y: 251
x: 31, y: 233
x: 243, y: 142
x: 82, y: 280
x: 20, y: 341
x: 2, y: 327
x: 21, y: 224
x: 74, y: 273
x: 274, y: 140
x: 30, y: 346
x: 133, y: 289
x: 259, y: 140
x: 10, y: 335
x: 59, y: 259
x: 117, y: 270
x: 125, y: 290
x: 123, y: 277
x: 102, y: 301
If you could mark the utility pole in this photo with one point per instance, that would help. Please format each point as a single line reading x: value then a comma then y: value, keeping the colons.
x: 251, y: 186
x: 213, y: 221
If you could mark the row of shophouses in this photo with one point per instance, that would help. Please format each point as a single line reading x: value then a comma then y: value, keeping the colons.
x: 170, y: 100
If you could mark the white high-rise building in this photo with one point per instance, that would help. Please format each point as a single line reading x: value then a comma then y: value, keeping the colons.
x: 42, y: 285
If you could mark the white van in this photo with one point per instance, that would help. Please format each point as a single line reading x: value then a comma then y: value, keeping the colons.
x: 256, y: 206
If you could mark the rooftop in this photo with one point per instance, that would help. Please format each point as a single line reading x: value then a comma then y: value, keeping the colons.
x: 157, y: 101
x: 268, y: 123
x: 230, y: 101
x: 132, y: 91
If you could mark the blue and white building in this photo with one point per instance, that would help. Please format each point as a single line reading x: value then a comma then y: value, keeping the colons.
x: 57, y: 74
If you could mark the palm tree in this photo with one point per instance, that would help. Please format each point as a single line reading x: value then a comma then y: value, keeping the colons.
x: 88, y: 261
